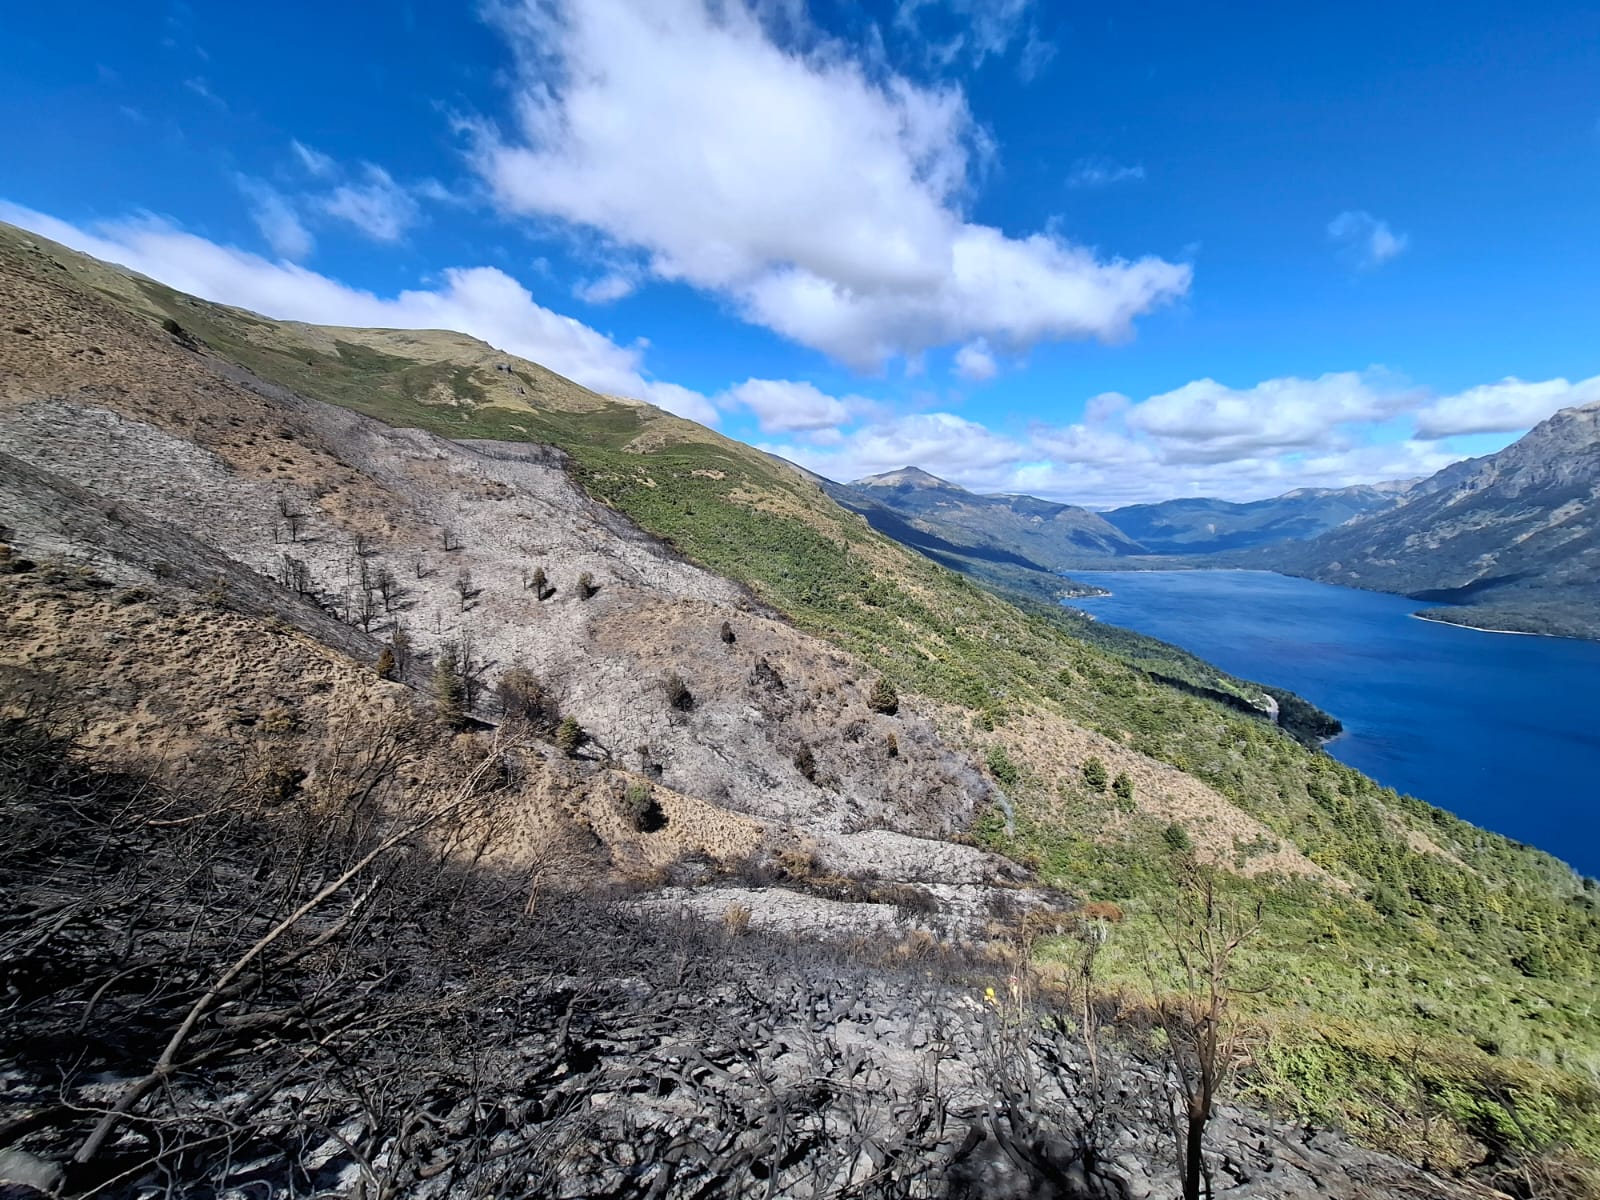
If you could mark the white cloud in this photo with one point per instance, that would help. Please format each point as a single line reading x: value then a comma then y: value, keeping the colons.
x: 201, y: 88
x: 1366, y: 240
x: 379, y: 207
x: 786, y: 405
x: 822, y: 197
x: 1102, y: 172
x: 950, y: 446
x: 987, y: 29
x: 608, y: 288
x: 974, y: 362
x: 1207, y: 422
x: 481, y: 301
x: 276, y: 218
x: 314, y: 162
x: 1202, y: 439
x: 1508, y: 406
x: 1100, y: 467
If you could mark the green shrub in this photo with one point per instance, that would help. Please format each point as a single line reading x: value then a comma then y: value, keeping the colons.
x: 1122, y: 790
x: 1094, y: 775
x: 1177, y: 839
x: 570, y: 736
x: 448, y: 687
x: 1001, y: 767
x: 883, y: 697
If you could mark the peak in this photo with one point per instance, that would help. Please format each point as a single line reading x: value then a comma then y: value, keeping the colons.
x: 907, y: 477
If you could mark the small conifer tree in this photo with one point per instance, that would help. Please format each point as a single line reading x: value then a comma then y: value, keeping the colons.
x: 1122, y: 789
x: 570, y: 736
x: 1094, y: 775
x: 386, y: 664
x: 883, y: 698
x: 449, y: 689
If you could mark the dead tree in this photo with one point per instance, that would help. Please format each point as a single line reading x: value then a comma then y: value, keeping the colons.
x: 389, y: 588
x: 1203, y: 931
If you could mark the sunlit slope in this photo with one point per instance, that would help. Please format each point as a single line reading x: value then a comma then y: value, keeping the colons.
x: 1390, y: 916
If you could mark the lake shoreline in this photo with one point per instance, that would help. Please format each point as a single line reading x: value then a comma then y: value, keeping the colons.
x: 1416, y: 616
x: 1444, y: 718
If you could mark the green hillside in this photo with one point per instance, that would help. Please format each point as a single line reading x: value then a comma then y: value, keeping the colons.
x: 1437, y: 978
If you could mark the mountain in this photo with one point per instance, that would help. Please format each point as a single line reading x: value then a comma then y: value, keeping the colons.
x: 1044, y: 532
x: 1015, y: 542
x: 644, y: 796
x: 1206, y: 526
x: 1508, y: 541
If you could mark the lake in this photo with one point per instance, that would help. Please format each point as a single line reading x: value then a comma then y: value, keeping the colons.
x: 1501, y: 729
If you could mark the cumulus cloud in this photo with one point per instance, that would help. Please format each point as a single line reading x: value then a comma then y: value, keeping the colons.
x: 481, y: 301
x: 1367, y: 241
x: 608, y: 288
x: 276, y: 218
x: 378, y: 206
x: 823, y: 198
x: 1207, y: 422
x: 1508, y: 406
x: 1097, y: 466
x: 1202, y: 439
x: 1101, y: 172
x: 785, y: 405
x: 974, y: 362
x: 951, y: 446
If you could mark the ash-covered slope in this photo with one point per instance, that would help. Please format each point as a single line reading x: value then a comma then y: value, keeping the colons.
x: 1511, y: 540
x: 150, y: 462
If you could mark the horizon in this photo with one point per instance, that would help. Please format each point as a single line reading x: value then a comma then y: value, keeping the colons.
x: 848, y: 235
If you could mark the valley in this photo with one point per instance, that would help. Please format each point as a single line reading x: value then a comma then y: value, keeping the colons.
x: 641, y: 666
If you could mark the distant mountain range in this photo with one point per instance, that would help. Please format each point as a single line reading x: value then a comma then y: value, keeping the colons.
x: 1510, y: 541
x: 1206, y: 526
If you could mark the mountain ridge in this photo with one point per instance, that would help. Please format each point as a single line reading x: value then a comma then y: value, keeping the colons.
x: 714, y: 625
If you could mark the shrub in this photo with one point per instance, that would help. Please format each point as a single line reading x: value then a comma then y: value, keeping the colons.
x: 726, y: 633
x: 736, y: 919
x: 640, y: 806
x: 570, y: 736
x: 540, y: 583
x: 386, y: 664
x: 522, y: 697
x: 678, y: 694
x: 806, y: 763
x: 883, y: 698
x: 1101, y: 910
x: 1094, y: 775
x: 1001, y: 767
x: 1177, y: 839
x: 892, y: 745
x: 765, y: 675
x: 1122, y: 789
x: 587, y: 587
x: 448, y: 687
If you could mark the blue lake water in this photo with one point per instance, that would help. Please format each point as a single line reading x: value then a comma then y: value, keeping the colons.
x: 1502, y: 730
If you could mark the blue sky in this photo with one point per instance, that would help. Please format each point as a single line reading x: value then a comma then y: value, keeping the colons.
x: 1103, y: 257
